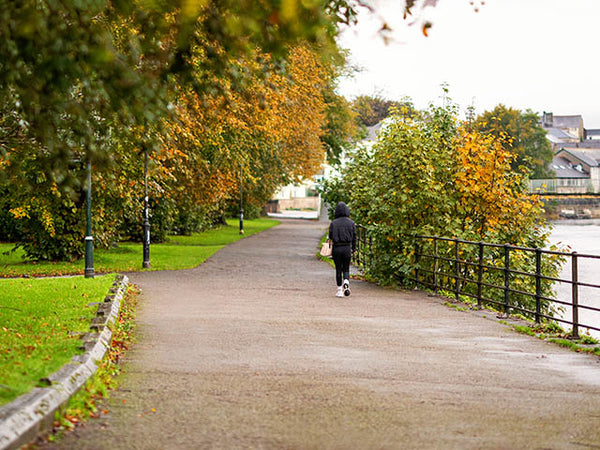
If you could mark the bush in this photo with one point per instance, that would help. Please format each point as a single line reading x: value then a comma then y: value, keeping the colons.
x: 434, y: 176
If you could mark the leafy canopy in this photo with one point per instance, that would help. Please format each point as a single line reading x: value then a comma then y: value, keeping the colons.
x: 435, y: 176
x: 526, y: 138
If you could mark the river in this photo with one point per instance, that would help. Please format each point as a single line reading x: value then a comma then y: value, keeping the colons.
x: 581, y: 236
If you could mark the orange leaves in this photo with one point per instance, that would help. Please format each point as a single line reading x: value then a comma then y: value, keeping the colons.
x: 20, y: 212
x: 299, y: 118
x: 262, y: 135
x: 426, y: 26
x: 490, y: 189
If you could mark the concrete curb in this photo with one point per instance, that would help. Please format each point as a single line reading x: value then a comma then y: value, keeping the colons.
x: 25, y: 417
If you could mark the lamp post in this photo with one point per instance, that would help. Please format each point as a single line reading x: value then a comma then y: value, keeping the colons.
x: 146, y: 251
x: 241, y: 202
x: 89, y: 240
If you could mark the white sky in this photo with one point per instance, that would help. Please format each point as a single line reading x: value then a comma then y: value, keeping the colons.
x: 538, y: 54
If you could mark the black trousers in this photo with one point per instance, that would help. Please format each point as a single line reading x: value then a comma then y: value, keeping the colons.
x: 341, y: 257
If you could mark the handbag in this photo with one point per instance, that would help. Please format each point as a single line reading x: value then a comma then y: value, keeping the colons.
x: 326, y: 249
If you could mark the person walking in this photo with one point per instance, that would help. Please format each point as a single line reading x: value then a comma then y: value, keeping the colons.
x: 342, y: 232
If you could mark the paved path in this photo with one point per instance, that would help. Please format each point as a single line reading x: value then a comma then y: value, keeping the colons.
x: 252, y: 350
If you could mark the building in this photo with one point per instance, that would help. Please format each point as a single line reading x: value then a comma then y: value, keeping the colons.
x: 577, y: 172
x: 296, y: 200
x: 569, y: 131
x: 576, y: 161
x: 563, y: 130
x: 592, y: 135
x: 303, y: 200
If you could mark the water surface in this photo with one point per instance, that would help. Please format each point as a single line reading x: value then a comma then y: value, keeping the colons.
x: 583, y: 237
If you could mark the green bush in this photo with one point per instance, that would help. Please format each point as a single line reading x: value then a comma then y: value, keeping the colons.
x: 433, y: 176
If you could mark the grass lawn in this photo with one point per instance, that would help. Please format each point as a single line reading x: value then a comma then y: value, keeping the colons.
x: 40, y: 318
x: 179, y: 252
x: 39, y: 324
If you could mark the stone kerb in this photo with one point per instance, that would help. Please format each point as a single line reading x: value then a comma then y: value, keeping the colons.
x: 28, y: 415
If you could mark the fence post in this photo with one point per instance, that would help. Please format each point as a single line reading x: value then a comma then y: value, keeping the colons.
x: 575, y: 294
x: 456, y: 271
x: 506, y: 277
x: 360, y: 245
x: 435, y: 265
x: 538, y: 284
x: 479, y: 274
x: 370, y: 253
x: 416, y: 265
x: 363, y: 247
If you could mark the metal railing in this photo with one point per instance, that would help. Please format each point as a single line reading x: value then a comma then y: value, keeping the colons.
x: 563, y: 185
x: 511, y: 278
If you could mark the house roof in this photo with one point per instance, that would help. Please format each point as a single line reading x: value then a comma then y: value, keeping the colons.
x: 586, y: 143
x: 592, y: 132
x: 593, y: 153
x: 557, y: 135
x: 567, y: 121
x: 588, y: 156
x: 564, y: 169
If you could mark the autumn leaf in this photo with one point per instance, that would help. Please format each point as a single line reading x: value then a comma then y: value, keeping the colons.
x: 426, y: 26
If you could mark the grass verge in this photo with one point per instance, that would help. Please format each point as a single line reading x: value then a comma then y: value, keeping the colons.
x: 179, y: 252
x: 553, y: 333
x: 41, y: 322
x: 549, y: 331
x: 86, y: 403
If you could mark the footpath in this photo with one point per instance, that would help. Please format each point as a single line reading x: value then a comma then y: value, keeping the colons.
x: 253, y: 350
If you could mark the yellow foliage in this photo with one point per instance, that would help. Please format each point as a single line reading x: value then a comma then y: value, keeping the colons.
x: 21, y: 212
x: 490, y: 191
x: 38, y: 209
x: 267, y: 132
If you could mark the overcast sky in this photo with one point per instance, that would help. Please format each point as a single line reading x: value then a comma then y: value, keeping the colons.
x: 542, y: 55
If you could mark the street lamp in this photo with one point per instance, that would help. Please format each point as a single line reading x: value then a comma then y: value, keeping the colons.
x: 146, y: 262
x: 89, y: 240
x: 241, y: 202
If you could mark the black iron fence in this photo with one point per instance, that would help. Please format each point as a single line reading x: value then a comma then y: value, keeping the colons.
x: 512, y: 278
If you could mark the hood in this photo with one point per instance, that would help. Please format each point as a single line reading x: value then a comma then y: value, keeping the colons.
x: 342, y: 210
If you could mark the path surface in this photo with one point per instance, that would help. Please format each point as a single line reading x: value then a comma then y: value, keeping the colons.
x: 252, y: 350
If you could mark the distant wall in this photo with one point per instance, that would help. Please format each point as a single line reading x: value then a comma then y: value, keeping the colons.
x: 553, y: 204
x: 298, y: 203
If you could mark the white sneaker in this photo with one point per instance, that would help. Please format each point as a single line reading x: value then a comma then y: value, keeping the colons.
x: 340, y: 292
x: 346, y: 288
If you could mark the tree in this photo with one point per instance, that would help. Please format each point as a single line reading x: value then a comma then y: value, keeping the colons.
x: 371, y: 110
x: 492, y: 202
x: 252, y: 139
x: 433, y: 176
x: 106, y: 81
x: 73, y: 69
x: 341, y: 131
x: 525, y: 138
x: 88, y: 80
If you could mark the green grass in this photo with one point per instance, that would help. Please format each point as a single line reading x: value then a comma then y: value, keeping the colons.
x: 552, y: 332
x: 40, y: 319
x: 457, y: 307
x: 40, y: 323
x: 179, y: 252
x: 524, y: 329
x: 84, y: 404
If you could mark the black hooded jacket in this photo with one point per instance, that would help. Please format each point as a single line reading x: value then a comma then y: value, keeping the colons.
x: 342, y: 230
